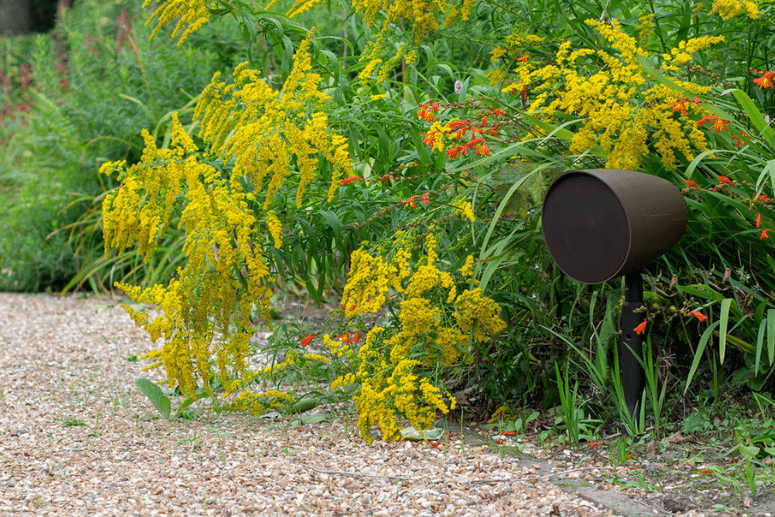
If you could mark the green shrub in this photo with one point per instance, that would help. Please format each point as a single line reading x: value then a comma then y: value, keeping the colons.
x: 95, y: 82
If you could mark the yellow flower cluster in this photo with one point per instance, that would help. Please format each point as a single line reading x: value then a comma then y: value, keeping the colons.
x: 411, y: 397
x: 618, y: 110
x: 372, y: 56
x: 272, y: 135
x: 298, y: 7
x: 728, y: 9
x: 258, y: 403
x: 433, y: 328
x: 370, y: 280
x: 421, y: 14
x: 224, y: 277
x: 463, y: 209
x: 467, y: 270
x: 192, y: 14
x: 292, y: 359
x: 263, y: 137
x: 478, y: 314
x: 275, y: 228
x: 515, y: 48
x: 645, y: 29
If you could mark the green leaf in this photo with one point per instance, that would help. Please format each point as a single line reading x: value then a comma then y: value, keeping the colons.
x: 285, y: 63
x: 659, y: 77
x: 698, y: 354
x: 200, y: 394
x: 722, y: 344
x: 759, y: 342
x: 305, y: 404
x: 313, y: 419
x: 703, y: 291
x: 333, y: 221
x: 771, y: 335
x: 159, y: 400
x: 744, y: 346
x: 755, y: 116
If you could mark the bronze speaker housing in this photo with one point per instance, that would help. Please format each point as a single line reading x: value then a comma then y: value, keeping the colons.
x: 600, y: 224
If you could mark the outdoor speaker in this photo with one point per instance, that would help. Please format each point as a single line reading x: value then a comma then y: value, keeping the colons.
x: 600, y: 224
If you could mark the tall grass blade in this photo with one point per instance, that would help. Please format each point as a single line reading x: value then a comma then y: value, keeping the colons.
x: 755, y: 116
x: 698, y: 353
x: 722, y: 344
x: 771, y: 335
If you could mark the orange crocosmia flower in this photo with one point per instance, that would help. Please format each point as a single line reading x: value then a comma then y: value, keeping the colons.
x: 593, y: 444
x: 344, y: 338
x: 522, y: 59
x: 453, y: 151
x: 758, y: 220
x: 705, y: 119
x: 483, y: 150
x: 410, y: 202
x: 386, y: 176
x: 474, y: 141
x: 349, y: 180
x: 357, y: 337
x: 423, y: 111
x: 498, y: 112
x: 724, y: 179
x: 720, y: 125
x: 700, y: 316
x: 429, y: 138
x: 764, y: 198
x: 641, y: 329
x: 764, y: 233
x: 765, y: 81
x: 307, y: 340
x: 690, y: 183
x: 425, y: 199
x: 680, y: 106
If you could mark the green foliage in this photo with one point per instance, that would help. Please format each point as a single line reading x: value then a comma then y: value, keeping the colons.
x: 157, y: 397
x: 93, y: 84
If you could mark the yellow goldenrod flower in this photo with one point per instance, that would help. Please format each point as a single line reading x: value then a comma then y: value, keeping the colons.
x: 728, y: 9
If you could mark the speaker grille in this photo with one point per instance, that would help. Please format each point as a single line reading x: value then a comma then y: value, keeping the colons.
x: 585, y: 228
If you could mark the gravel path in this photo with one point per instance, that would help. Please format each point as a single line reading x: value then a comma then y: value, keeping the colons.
x: 76, y: 438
